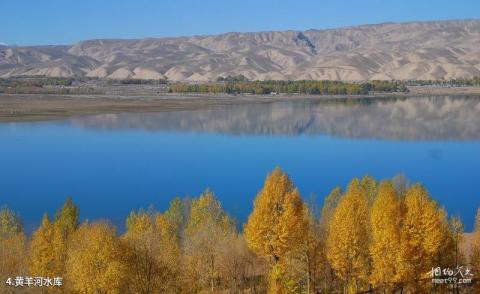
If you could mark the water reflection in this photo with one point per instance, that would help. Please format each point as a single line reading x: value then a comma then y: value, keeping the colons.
x: 430, y: 118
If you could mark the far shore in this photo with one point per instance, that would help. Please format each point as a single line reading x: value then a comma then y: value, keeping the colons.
x: 37, y: 107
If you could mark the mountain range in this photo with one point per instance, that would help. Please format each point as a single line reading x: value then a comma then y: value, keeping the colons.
x: 403, y: 51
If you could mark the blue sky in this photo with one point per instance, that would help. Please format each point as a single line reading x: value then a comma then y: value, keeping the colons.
x: 37, y: 22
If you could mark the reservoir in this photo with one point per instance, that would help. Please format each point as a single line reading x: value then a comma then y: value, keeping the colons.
x: 113, y: 163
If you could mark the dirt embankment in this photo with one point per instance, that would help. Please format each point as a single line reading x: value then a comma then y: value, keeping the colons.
x: 424, y: 90
x: 49, y: 107
x: 31, y: 107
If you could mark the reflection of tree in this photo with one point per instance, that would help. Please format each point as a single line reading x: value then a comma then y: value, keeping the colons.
x: 435, y: 118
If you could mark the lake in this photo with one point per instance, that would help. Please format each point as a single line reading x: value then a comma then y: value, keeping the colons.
x: 113, y: 163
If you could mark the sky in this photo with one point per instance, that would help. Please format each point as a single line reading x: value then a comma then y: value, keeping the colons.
x: 45, y: 22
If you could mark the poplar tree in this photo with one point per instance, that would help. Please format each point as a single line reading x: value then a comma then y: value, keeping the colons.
x: 370, y: 186
x: 67, y: 218
x: 347, y: 241
x: 385, y: 245
x: 475, y: 250
x: 96, y: 262
x: 329, y: 205
x: 42, y: 254
x: 455, y: 232
x: 422, y: 237
x: 209, y: 229
x: 311, y: 252
x: 328, y: 210
x: 12, y: 247
x: 277, y: 226
x: 66, y: 222
x: 143, y: 253
x: 48, y: 248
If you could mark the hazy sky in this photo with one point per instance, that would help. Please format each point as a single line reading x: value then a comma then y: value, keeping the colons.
x: 66, y: 21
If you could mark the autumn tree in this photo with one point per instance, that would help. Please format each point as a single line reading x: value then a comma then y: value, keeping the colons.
x: 347, y: 241
x: 48, y: 248
x: 42, y: 254
x: 177, y: 216
x: 422, y: 237
x: 276, y: 227
x: 311, y: 251
x: 150, y: 266
x: 239, y: 267
x: 455, y: 232
x: 329, y: 205
x: 12, y: 247
x: 65, y: 223
x: 67, y: 218
x: 370, y: 187
x: 450, y: 254
x: 209, y: 229
x: 475, y: 250
x: 170, y: 256
x: 385, y: 248
x: 95, y: 261
x: 401, y: 184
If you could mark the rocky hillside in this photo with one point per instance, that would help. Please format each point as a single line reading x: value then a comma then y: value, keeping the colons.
x: 418, y: 50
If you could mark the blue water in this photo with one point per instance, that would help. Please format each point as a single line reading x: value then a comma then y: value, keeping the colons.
x: 111, y: 164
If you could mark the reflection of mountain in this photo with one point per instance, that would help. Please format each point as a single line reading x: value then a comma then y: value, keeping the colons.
x: 439, y: 118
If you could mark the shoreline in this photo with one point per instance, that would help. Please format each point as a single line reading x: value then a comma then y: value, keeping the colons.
x: 43, y: 107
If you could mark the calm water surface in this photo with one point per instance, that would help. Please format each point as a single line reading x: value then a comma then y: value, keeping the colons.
x: 113, y: 163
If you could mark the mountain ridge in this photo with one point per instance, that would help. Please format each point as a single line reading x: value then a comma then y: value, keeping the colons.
x: 412, y: 50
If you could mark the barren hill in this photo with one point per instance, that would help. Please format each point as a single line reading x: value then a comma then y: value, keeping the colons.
x: 417, y: 50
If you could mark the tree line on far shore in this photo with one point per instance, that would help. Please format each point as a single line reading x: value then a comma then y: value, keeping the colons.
x: 307, y: 87
x: 223, y: 85
x: 372, y: 237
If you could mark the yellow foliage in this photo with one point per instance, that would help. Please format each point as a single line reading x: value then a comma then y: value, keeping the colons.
x: 277, y: 225
x: 370, y: 187
x: 12, y: 248
x: 347, y: 242
x: 42, y: 253
x: 328, y: 209
x: 206, y: 211
x: 152, y: 255
x: 209, y: 229
x: 95, y: 261
x: 475, y: 255
x: 385, y: 245
x: 422, y: 237
x: 370, y: 238
x: 168, y: 234
x: 48, y: 249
